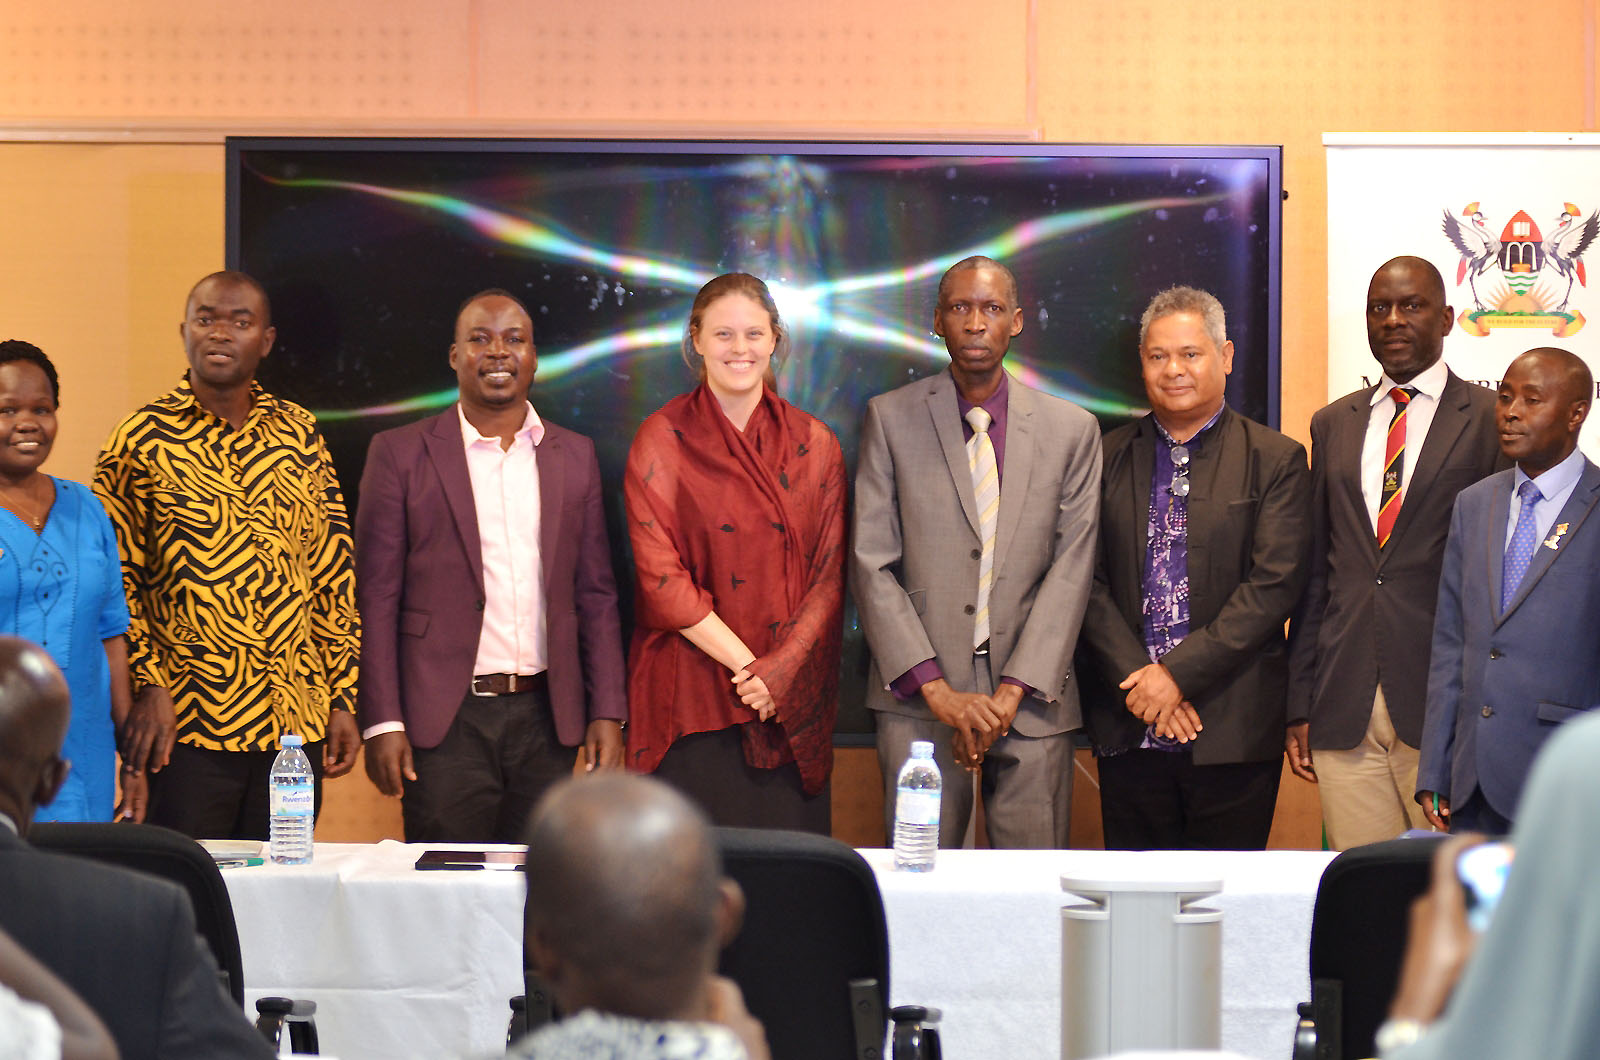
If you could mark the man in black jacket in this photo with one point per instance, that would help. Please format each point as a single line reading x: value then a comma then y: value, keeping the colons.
x: 1204, y: 529
x: 124, y: 942
x: 1386, y: 464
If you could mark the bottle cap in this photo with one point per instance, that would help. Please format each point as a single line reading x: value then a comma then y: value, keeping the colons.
x: 289, y: 739
x: 921, y: 748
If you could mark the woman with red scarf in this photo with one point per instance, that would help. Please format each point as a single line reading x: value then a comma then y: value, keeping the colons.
x: 736, y: 512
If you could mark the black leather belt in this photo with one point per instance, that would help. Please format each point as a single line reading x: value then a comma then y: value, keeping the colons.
x: 506, y: 684
x: 982, y: 649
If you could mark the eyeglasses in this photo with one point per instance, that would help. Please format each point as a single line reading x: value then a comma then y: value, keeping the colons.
x: 1179, y: 486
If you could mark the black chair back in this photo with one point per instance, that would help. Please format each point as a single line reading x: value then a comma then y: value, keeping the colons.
x: 1358, y: 937
x: 813, y: 928
x: 171, y: 856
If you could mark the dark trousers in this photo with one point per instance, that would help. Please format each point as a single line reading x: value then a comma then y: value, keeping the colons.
x: 1161, y: 800
x: 709, y: 768
x: 480, y: 783
x: 219, y: 794
x: 1476, y: 815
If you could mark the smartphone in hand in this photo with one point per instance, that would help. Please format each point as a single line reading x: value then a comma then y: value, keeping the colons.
x: 1482, y: 870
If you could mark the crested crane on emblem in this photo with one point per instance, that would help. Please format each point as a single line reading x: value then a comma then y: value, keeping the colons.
x: 1521, y: 254
x: 1478, y: 248
x: 1568, y: 240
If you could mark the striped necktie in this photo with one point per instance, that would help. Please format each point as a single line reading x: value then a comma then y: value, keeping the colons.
x: 986, y: 488
x: 1394, y: 464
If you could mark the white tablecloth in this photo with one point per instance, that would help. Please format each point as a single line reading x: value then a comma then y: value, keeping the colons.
x: 401, y: 963
x: 421, y: 964
x: 980, y: 938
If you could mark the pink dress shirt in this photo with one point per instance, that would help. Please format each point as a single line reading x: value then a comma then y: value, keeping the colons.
x: 505, y: 492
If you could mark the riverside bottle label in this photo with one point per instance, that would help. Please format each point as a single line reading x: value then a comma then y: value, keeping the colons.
x: 292, y: 800
x: 917, y: 807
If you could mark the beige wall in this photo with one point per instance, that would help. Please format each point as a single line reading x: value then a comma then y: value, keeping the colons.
x: 103, y: 233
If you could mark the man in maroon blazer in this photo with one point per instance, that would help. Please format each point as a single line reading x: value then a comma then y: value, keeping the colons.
x: 491, y: 645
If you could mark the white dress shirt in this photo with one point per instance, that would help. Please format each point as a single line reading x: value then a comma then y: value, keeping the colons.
x: 28, y: 1030
x: 1429, y: 384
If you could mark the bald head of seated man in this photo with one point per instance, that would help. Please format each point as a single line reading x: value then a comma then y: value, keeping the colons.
x: 123, y: 941
x: 34, y: 708
x: 627, y: 910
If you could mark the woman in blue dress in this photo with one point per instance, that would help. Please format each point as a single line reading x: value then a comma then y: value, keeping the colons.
x: 61, y: 587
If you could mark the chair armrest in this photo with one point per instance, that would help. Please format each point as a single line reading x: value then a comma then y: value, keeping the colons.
x: 1305, y: 1033
x: 274, y: 1013
x: 916, y: 1033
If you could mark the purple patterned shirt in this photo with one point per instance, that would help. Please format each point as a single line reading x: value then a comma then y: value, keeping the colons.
x: 1166, y: 560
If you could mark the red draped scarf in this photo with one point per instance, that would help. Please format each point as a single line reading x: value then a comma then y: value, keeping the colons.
x: 750, y: 525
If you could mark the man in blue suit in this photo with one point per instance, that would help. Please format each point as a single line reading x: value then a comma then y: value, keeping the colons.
x: 1516, y: 601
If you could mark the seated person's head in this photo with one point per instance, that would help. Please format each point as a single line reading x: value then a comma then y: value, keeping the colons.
x: 627, y: 905
x: 34, y: 706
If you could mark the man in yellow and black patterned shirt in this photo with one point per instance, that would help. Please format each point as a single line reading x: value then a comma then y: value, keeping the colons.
x: 236, y: 559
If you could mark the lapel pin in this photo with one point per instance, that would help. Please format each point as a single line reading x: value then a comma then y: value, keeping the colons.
x: 1554, y: 540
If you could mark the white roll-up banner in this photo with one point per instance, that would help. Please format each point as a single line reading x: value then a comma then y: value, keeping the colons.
x: 1512, y: 221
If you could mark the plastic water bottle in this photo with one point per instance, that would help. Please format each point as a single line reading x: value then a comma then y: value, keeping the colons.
x: 293, y: 803
x: 916, y: 811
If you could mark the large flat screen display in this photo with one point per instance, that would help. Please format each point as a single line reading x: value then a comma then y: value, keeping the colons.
x: 368, y: 246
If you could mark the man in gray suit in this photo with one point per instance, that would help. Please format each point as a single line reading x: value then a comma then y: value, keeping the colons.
x: 977, y: 505
x: 1386, y: 465
x: 1514, y: 644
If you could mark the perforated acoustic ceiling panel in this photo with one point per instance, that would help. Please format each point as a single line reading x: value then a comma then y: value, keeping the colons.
x: 88, y: 58
x: 827, y: 63
x: 1264, y: 71
x: 923, y: 61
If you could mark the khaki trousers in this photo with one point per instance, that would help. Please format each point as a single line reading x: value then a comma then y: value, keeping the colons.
x: 1368, y: 792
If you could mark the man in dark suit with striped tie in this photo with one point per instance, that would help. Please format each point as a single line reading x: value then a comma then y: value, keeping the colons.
x: 1386, y: 465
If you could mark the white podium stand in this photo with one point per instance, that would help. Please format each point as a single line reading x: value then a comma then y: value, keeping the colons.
x: 1141, y: 966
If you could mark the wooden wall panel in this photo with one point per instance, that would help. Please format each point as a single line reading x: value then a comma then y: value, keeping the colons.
x: 102, y: 244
